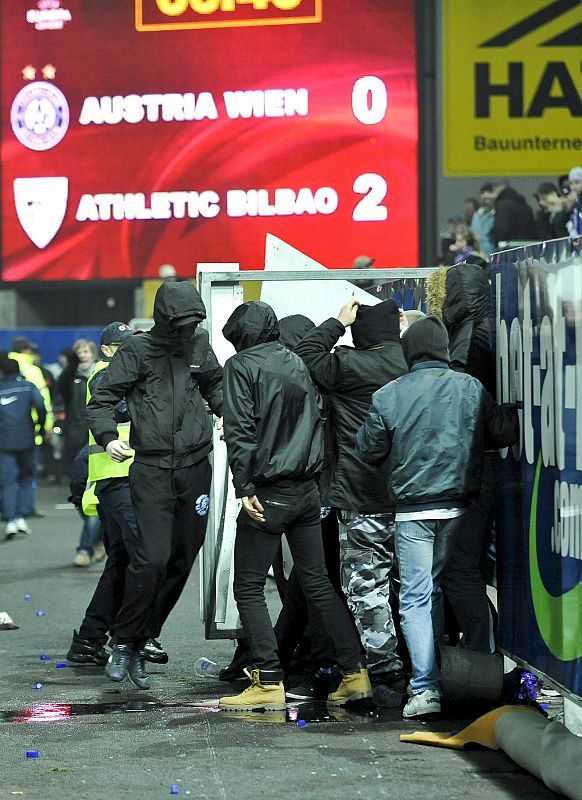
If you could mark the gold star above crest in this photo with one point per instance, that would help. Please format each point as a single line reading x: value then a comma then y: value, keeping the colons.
x: 29, y: 73
x: 49, y: 72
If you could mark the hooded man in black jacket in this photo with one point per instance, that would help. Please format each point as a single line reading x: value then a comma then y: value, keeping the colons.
x: 431, y: 426
x: 349, y: 376
x: 164, y: 375
x: 274, y: 438
x: 514, y: 219
x: 466, y: 313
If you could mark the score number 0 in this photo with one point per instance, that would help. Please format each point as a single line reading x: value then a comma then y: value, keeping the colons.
x: 369, y: 105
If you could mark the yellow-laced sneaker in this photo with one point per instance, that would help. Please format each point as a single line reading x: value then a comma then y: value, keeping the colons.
x: 270, y: 696
x: 354, y: 686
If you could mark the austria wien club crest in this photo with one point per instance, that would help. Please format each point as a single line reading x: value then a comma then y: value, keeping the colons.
x: 41, y: 204
x: 40, y: 116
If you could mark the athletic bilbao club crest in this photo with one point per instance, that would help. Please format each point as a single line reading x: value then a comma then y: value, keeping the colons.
x: 41, y: 204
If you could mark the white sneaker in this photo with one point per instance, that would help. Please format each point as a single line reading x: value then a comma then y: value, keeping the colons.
x: 22, y: 526
x: 419, y: 705
x: 11, y: 529
x: 99, y: 552
x: 82, y: 559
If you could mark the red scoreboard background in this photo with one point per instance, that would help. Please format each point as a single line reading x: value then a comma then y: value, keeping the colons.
x: 142, y: 132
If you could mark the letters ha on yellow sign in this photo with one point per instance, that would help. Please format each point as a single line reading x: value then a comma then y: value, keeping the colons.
x: 512, y: 87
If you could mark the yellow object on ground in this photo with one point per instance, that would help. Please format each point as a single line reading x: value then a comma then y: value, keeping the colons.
x: 354, y: 686
x: 270, y: 696
x: 482, y: 731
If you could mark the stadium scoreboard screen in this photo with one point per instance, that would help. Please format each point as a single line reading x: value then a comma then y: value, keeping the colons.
x: 142, y: 132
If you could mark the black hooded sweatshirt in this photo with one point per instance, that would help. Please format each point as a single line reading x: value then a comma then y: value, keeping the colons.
x: 348, y: 377
x: 466, y: 315
x: 514, y: 219
x: 272, y: 424
x: 165, y: 381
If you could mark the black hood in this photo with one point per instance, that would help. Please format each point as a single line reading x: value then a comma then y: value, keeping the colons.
x: 509, y: 193
x: 176, y: 303
x: 468, y: 295
x: 375, y: 324
x: 293, y: 328
x: 251, y: 324
x: 426, y: 340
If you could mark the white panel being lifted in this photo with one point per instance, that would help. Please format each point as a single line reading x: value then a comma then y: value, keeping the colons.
x: 317, y: 300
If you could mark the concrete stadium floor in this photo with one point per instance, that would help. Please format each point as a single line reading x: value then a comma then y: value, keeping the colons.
x: 95, y: 739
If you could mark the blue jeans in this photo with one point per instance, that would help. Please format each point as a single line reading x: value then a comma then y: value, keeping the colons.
x: 422, y: 548
x: 90, y: 534
x: 16, y: 477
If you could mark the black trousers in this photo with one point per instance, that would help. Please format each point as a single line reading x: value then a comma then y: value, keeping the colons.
x: 296, y: 614
x: 119, y: 529
x: 171, y: 508
x: 463, y: 578
x: 292, y: 508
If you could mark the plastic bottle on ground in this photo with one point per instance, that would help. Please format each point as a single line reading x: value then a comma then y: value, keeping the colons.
x: 205, y: 668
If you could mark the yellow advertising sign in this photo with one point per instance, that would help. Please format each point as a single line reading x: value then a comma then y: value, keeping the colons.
x: 512, y: 86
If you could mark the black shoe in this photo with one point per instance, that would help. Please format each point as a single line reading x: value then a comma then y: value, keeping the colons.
x: 316, y: 686
x: 154, y: 652
x: 240, y: 660
x: 87, y: 651
x: 136, y: 670
x: 391, y: 692
x: 118, y: 663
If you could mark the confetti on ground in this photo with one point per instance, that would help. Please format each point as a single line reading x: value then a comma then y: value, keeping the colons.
x: 32, y: 753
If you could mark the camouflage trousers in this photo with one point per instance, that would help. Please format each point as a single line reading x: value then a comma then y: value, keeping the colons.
x: 369, y: 577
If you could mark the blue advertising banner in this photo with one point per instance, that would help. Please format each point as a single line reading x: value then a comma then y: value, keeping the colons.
x: 537, y: 294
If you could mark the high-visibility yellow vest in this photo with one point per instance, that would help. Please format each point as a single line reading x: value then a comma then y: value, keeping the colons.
x: 30, y: 372
x: 100, y: 465
x: 90, y: 501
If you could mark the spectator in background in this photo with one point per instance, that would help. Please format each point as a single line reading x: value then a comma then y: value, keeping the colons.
x: 449, y: 235
x: 514, y: 219
x: 483, y: 219
x: 72, y: 386
x: 470, y: 208
x: 23, y: 353
x: 554, y: 212
x: 18, y: 398
x: 464, y: 246
x: 48, y: 465
x: 167, y: 273
x: 575, y: 179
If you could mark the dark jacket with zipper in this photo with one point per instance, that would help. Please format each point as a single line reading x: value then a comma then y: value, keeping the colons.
x: 348, y: 377
x: 514, y: 219
x: 466, y: 315
x: 18, y: 398
x: 431, y: 425
x: 164, y: 388
x: 272, y: 424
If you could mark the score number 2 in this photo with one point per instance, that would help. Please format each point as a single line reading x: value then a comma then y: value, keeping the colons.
x: 369, y: 105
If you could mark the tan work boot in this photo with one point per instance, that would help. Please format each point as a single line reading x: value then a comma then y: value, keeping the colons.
x: 262, y: 693
x: 354, y: 686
